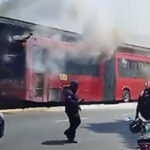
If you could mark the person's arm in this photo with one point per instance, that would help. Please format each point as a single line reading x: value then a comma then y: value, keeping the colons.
x: 80, y: 101
x: 138, y: 108
x: 68, y: 98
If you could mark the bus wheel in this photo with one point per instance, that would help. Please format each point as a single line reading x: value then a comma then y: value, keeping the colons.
x: 126, y: 95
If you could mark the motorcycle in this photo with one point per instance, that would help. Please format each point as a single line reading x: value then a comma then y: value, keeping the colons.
x: 142, y: 127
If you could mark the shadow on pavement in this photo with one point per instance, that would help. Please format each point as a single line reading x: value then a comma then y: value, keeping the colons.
x: 55, y: 142
x: 121, y: 127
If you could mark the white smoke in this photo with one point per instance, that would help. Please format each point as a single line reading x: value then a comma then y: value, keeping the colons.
x: 100, y: 34
x: 48, y: 60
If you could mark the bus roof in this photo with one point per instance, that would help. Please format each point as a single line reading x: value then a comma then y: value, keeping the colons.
x: 131, y: 48
x: 50, y: 31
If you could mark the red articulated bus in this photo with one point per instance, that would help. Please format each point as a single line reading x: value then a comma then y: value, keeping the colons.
x: 121, y: 77
x: 25, y: 75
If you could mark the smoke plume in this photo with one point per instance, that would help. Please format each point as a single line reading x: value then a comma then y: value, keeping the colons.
x: 100, y: 34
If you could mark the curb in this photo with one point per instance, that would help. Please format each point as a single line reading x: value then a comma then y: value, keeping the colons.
x: 9, y: 111
x: 120, y: 106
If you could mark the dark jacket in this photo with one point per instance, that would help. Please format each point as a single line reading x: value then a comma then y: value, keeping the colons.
x: 144, y: 104
x: 71, y: 101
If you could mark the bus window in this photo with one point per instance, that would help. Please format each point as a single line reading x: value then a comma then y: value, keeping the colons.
x: 79, y: 68
x: 123, y: 63
x: 128, y: 70
x: 43, y: 60
x: 39, y: 58
x: 46, y: 60
x: 134, y: 69
x: 138, y: 66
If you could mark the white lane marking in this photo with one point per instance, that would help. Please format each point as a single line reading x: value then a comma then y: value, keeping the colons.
x: 66, y: 120
x: 127, y: 114
x: 58, y: 121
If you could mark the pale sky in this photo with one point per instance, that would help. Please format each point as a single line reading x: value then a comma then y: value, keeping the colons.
x: 131, y: 15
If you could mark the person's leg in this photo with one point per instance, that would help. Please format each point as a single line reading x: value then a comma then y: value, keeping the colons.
x: 78, y: 121
x: 68, y: 132
x: 75, y: 122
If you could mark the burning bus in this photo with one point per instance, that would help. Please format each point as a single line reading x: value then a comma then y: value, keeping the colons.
x: 16, y: 48
x: 31, y: 71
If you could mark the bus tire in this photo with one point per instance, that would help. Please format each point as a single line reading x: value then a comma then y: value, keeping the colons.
x: 126, y: 95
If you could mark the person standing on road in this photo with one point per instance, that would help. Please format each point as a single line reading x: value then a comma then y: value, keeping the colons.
x: 143, y: 106
x: 72, y: 109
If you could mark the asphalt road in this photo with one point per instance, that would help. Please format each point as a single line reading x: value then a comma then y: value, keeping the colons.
x: 102, y: 128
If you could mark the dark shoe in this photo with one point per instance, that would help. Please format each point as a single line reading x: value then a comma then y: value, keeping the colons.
x: 72, y: 141
x: 67, y: 135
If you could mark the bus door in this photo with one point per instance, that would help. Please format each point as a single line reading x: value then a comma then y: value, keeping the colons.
x: 39, y: 86
x: 109, y: 80
x: 54, y: 87
x: 40, y: 57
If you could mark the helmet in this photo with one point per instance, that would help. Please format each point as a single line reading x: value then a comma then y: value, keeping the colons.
x: 74, y: 86
x: 135, y: 126
x: 74, y: 83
